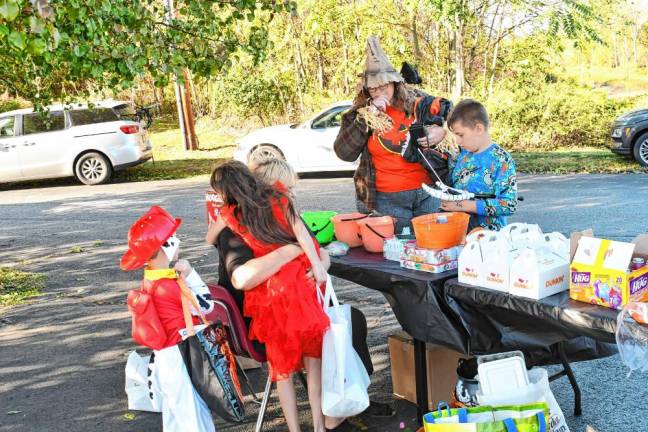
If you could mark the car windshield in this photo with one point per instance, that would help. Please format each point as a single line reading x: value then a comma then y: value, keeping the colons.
x: 330, y: 118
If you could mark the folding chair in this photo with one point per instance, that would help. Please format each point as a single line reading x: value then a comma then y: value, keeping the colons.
x: 226, y: 311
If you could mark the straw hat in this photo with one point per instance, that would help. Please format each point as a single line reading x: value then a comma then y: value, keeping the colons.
x: 378, y: 69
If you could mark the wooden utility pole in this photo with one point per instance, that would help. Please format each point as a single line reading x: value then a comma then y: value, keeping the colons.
x: 190, y: 129
x: 183, y: 102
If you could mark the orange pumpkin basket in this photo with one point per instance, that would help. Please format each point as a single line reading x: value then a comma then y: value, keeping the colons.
x: 440, y: 230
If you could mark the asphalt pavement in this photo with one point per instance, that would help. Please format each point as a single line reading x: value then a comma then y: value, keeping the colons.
x: 63, y: 353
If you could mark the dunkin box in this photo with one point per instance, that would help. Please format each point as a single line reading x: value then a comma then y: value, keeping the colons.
x: 599, y: 270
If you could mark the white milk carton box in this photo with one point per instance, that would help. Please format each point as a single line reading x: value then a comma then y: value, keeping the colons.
x: 469, y: 265
x: 497, y: 259
x: 539, y: 272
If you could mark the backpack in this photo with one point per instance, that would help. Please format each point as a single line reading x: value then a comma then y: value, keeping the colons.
x: 147, y: 329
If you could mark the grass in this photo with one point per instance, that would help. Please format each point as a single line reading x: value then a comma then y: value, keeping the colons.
x: 217, y: 145
x: 569, y: 161
x: 172, y: 161
x: 16, y: 286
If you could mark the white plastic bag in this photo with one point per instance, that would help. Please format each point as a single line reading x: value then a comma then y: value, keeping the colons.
x: 538, y: 390
x: 344, y: 377
x: 141, y: 396
x: 632, y: 340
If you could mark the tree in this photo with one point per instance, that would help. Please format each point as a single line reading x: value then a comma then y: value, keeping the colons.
x: 58, y: 49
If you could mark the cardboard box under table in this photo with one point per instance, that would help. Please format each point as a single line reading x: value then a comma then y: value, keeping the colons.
x: 441, y: 366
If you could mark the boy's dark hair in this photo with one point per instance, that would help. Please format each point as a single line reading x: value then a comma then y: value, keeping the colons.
x: 469, y: 112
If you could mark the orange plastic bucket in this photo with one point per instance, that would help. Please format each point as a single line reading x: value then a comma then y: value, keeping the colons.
x: 346, y: 229
x: 374, y: 231
x: 440, y: 230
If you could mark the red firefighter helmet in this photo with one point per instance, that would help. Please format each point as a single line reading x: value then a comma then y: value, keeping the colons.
x: 146, y: 237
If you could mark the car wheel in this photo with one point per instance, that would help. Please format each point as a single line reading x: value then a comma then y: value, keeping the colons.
x: 265, y: 152
x: 640, y: 149
x: 93, y: 169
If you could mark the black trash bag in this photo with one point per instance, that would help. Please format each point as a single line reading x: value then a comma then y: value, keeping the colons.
x: 212, y: 368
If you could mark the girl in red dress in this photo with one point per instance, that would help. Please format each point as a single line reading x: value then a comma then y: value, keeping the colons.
x: 286, y: 314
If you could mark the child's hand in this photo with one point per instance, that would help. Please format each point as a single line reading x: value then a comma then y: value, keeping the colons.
x: 466, y: 206
x: 183, y: 267
x: 320, y: 274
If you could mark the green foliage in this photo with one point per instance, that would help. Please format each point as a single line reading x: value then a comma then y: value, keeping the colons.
x: 70, y: 47
x: 9, y: 105
x: 561, y: 115
x: 16, y: 286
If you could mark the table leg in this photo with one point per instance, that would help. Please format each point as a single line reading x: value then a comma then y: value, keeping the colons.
x: 569, y: 373
x: 420, y: 370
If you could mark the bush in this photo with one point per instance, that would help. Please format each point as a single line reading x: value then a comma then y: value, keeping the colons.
x: 561, y: 115
x: 9, y: 105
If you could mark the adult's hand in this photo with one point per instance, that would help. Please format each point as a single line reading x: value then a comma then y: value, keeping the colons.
x: 435, y: 134
x: 380, y: 102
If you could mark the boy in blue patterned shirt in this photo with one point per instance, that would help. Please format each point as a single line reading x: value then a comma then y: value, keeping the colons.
x: 482, y: 167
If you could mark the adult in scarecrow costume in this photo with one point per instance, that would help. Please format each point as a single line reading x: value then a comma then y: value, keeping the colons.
x: 152, y: 244
x: 377, y: 129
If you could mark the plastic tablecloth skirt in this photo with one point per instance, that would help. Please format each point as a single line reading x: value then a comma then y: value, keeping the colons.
x: 435, y: 308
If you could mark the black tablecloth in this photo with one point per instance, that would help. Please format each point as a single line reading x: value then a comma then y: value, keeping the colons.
x: 435, y: 308
x: 416, y: 297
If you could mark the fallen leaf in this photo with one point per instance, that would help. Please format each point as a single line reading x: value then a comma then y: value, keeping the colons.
x: 129, y: 416
x: 13, y: 412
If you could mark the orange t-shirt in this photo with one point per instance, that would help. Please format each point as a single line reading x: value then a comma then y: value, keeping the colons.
x: 393, y: 173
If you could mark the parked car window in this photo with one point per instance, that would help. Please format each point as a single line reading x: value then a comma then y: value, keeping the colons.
x: 99, y: 115
x: 7, y: 126
x: 331, y: 118
x: 124, y: 110
x: 37, y: 123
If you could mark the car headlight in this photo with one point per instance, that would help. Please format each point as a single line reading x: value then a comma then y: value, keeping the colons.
x: 616, y: 132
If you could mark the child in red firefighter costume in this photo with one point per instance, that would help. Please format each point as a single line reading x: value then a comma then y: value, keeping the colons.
x: 286, y: 314
x: 152, y: 243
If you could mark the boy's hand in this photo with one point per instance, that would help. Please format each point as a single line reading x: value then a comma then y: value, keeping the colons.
x: 466, y: 206
x: 183, y: 267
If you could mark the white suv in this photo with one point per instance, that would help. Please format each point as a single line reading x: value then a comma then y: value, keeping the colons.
x: 88, y: 143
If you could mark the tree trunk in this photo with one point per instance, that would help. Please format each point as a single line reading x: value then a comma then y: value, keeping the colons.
x: 459, y: 78
x: 345, y: 66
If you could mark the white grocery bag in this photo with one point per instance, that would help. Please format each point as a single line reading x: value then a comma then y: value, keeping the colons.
x: 344, y: 377
x: 538, y: 390
x: 140, y: 396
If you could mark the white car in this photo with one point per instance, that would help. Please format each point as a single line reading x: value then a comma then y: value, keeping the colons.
x: 89, y: 144
x: 307, y: 146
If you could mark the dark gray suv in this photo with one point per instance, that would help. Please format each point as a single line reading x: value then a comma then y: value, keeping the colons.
x: 630, y: 135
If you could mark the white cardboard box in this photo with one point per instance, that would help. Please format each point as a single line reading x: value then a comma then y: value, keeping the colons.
x: 539, y: 272
x: 470, y: 264
x: 497, y: 258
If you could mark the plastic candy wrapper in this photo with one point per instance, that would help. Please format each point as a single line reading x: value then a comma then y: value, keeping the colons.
x: 430, y: 268
x: 393, y: 247
x: 337, y: 248
x: 632, y: 337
